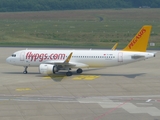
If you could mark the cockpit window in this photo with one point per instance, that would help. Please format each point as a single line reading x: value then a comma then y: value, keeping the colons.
x: 13, y: 55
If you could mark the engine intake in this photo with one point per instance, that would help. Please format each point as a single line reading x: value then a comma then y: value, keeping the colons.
x: 47, y: 69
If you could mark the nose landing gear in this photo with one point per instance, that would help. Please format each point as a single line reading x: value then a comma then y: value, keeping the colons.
x: 25, y: 70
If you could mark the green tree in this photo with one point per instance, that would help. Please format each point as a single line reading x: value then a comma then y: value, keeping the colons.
x: 39, y: 5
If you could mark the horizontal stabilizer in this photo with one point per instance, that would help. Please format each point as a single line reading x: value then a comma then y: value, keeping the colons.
x: 138, y: 57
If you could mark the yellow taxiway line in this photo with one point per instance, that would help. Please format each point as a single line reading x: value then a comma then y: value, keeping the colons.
x: 23, y: 89
x: 85, y: 77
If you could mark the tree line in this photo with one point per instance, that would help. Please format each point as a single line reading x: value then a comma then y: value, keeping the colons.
x: 45, y: 5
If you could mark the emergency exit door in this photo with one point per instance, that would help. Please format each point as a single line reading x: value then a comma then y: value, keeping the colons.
x: 120, y: 57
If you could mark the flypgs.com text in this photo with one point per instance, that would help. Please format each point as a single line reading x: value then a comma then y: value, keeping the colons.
x: 44, y: 56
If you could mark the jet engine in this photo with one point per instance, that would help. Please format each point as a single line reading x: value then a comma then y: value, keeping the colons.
x: 47, y: 69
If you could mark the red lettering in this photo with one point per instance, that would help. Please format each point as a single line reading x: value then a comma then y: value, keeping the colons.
x: 61, y: 56
x: 36, y: 56
x: 30, y: 56
x: 45, y: 56
x: 41, y: 57
x: 56, y: 56
x: 137, y: 37
x: 51, y: 56
x: 130, y: 45
x: 27, y: 55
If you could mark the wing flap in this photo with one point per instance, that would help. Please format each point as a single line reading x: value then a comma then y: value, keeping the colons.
x: 70, y: 64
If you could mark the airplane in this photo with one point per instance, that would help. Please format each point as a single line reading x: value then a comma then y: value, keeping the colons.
x: 53, y: 61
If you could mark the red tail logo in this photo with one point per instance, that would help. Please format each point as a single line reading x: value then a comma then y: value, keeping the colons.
x: 133, y: 42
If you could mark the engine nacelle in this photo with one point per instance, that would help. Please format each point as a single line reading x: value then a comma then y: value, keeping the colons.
x: 47, y: 69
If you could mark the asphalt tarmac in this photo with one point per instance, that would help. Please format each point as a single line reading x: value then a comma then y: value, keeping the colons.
x: 128, y: 92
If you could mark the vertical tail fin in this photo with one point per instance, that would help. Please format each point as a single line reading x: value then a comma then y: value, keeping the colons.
x: 140, y: 40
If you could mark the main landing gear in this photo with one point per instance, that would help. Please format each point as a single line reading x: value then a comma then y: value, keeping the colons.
x: 79, y: 70
x: 25, y: 70
x: 69, y: 73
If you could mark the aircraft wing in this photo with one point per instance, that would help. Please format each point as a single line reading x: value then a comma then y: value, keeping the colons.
x: 67, y: 63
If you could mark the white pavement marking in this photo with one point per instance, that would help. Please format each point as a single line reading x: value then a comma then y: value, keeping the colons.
x: 148, y: 100
x: 144, y: 103
x: 129, y: 107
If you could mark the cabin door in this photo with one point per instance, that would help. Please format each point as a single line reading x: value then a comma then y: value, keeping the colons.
x: 22, y: 56
x: 120, y: 57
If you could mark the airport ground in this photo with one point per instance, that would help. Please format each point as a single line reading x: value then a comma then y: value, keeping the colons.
x: 128, y: 92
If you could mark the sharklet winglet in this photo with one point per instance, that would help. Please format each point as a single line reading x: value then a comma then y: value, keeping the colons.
x: 68, y: 58
x: 115, y: 46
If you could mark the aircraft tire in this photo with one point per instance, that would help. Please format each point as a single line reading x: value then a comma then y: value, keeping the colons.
x: 68, y: 73
x: 25, y: 72
x: 79, y: 70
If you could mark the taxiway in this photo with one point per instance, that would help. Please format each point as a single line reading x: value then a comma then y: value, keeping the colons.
x: 117, y: 93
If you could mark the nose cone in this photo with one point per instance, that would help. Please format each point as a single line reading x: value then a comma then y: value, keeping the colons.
x: 8, y: 60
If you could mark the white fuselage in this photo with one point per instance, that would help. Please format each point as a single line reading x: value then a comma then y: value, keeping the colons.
x: 82, y: 58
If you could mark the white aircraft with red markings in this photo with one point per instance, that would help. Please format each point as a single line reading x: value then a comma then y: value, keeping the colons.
x: 53, y: 61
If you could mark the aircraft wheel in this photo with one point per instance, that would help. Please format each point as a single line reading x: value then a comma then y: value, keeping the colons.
x: 79, y: 70
x: 69, y: 73
x: 25, y: 72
